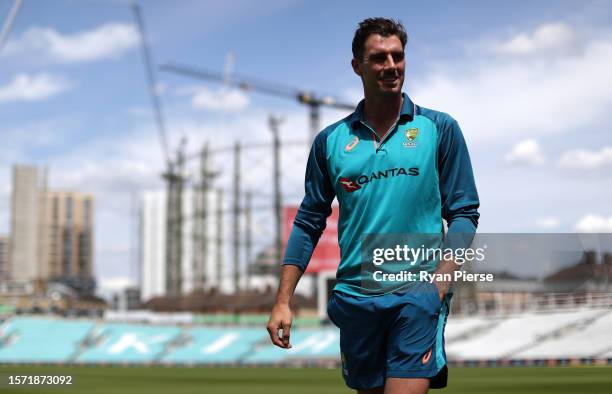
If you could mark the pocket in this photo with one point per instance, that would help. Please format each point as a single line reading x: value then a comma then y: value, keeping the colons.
x: 433, y: 296
x: 330, y: 309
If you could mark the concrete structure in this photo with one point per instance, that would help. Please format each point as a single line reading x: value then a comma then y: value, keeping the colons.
x: 153, y: 244
x: 67, y: 239
x: 29, y: 188
x: 5, y: 252
x: 51, y: 233
x: 132, y: 297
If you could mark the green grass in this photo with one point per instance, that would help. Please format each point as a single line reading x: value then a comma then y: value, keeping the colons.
x: 153, y: 380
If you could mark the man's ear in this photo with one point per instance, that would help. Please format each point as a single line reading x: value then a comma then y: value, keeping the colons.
x: 355, y: 65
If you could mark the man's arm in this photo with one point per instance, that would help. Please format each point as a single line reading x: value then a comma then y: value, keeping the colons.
x: 281, y: 317
x: 307, y: 228
x: 458, y: 194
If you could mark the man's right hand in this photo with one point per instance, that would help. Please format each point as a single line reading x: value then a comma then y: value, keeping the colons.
x: 280, y: 319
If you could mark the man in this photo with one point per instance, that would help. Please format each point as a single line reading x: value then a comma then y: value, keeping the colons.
x: 395, y: 168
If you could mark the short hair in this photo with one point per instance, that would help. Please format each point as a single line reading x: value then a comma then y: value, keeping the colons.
x: 382, y: 26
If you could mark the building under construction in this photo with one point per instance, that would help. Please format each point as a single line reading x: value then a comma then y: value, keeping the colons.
x: 51, y: 234
x: 206, y: 243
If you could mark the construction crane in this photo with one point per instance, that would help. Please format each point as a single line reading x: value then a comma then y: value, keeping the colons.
x: 312, y: 100
x: 8, y: 23
x: 174, y: 174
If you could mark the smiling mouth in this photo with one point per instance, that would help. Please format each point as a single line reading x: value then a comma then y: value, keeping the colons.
x: 389, y: 80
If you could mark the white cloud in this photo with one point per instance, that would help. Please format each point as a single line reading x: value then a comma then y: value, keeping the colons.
x: 526, y: 152
x: 222, y: 99
x: 548, y: 222
x: 26, y: 87
x: 494, y: 97
x: 545, y: 38
x: 581, y: 159
x: 109, y: 167
x: 216, y: 100
x: 110, y: 175
x: 594, y: 224
x: 107, y: 41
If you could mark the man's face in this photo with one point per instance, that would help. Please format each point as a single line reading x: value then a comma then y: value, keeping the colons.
x: 382, y: 67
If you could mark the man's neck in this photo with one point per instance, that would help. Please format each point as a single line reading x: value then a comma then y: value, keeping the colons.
x: 382, y: 112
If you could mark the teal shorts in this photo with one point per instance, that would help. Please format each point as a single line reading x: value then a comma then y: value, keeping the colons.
x: 396, y: 335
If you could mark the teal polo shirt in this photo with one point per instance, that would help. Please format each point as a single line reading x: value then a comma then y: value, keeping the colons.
x: 406, y: 182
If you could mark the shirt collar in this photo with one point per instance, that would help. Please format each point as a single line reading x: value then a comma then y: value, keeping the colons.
x: 406, y: 113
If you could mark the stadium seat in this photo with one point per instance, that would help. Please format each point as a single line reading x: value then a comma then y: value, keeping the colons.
x: 589, y: 340
x: 216, y: 345
x: 36, y: 339
x: 130, y: 343
x: 511, y: 335
x: 307, y: 344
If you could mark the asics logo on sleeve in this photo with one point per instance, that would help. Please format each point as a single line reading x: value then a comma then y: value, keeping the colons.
x: 349, y: 147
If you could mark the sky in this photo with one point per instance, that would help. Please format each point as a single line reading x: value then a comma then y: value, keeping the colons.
x: 528, y: 82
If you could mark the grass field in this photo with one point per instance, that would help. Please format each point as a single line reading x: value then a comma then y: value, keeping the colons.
x: 153, y: 380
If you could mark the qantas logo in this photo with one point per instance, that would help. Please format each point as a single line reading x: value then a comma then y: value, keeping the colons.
x: 350, y: 185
